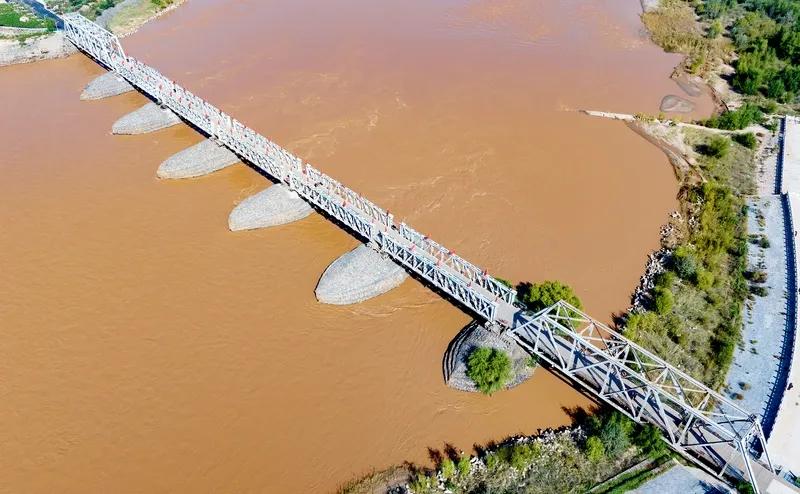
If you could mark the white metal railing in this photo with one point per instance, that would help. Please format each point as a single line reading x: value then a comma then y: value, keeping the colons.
x: 460, y: 279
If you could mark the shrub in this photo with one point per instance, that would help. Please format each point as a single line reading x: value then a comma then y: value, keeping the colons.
x: 758, y: 290
x: 745, y: 487
x: 664, y: 300
x: 463, y: 466
x: 648, y: 438
x: 489, y: 368
x: 684, y: 263
x: 613, y: 430
x: 448, y: 468
x: 748, y: 140
x: 643, y: 322
x: 595, y: 450
x: 705, y: 279
x: 538, y: 296
x: 737, y: 119
x: 717, y: 147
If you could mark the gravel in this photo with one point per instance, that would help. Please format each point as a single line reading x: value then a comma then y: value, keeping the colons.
x: 201, y: 159
x: 276, y: 205
x: 106, y: 85
x: 146, y: 119
x: 358, y: 275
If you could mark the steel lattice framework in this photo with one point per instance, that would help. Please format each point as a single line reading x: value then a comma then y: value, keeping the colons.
x: 465, y: 282
x: 695, y: 420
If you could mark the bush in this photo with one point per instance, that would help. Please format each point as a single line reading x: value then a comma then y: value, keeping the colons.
x: 643, y: 322
x: 758, y: 290
x: 736, y: 119
x: 664, y: 300
x: 717, y: 147
x: 684, y: 263
x: 595, y: 450
x: 648, y: 438
x: 745, y: 487
x: 748, y: 140
x: 538, y: 296
x: 704, y: 279
x: 463, y: 466
x: 448, y: 469
x: 489, y: 368
x: 613, y: 429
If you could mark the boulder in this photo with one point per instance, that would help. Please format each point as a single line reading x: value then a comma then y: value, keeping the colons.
x: 146, y: 119
x: 201, y: 159
x: 277, y: 205
x: 358, y: 275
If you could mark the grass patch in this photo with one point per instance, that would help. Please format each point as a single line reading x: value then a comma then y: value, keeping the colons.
x: 12, y: 15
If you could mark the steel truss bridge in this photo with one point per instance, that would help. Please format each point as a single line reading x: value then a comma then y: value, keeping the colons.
x: 701, y: 424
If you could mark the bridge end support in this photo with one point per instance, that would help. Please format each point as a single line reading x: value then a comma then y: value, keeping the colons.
x: 359, y: 275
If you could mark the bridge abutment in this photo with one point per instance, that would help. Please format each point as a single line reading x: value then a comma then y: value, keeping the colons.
x: 359, y: 275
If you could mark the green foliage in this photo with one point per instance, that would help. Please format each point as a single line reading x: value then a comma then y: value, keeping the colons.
x: 745, y: 487
x: 648, y: 438
x: 614, y: 431
x: 463, y: 466
x: 664, y: 300
x: 448, y: 468
x: 538, y: 296
x: 595, y: 450
x: 489, y: 368
x: 704, y: 279
x: 11, y: 15
x: 736, y: 119
x: 748, y: 140
x: 642, y: 323
x: 684, y: 263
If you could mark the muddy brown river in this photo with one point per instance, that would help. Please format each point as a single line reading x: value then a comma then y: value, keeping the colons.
x: 145, y: 348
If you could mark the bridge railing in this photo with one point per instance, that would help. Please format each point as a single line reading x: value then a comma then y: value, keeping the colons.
x: 460, y: 279
x: 694, y: 418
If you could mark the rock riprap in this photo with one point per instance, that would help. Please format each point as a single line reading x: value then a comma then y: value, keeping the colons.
x: 475, y: 336
x: 201, y: 159
x: 105, y: 86
x: 277, y: 205
x: 676, y: 104
x: 358, y: 275
x: 146, y: 119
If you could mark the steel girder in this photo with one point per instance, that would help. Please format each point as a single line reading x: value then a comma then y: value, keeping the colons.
x: 695, y: 420
x: 463, y: 281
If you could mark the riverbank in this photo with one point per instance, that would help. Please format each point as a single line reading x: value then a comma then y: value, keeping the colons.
x: 123, y: 19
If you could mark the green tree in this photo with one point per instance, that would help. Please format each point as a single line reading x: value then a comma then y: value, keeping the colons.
x: 538, y: 296
x: 489, y: 368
